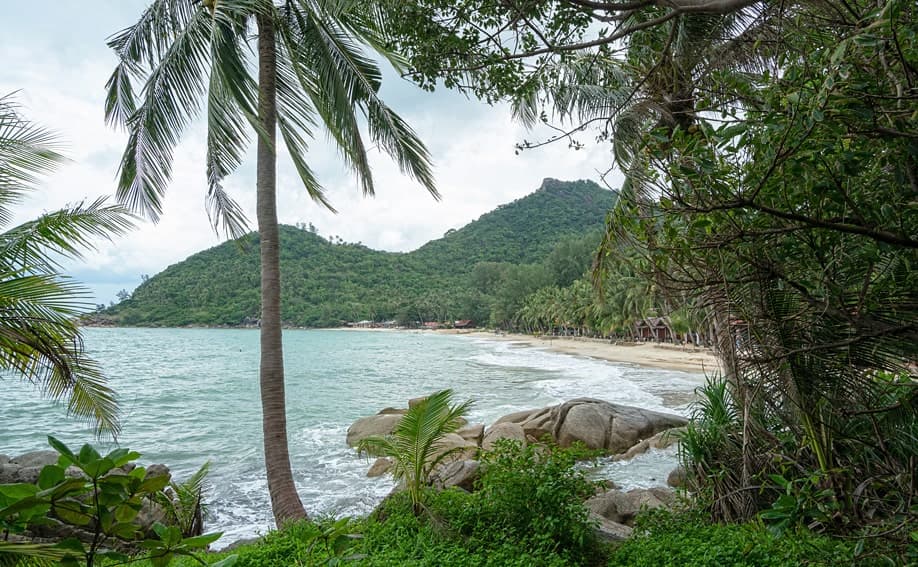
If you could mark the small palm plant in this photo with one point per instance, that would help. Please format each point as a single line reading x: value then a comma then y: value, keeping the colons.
x: 416, y: 446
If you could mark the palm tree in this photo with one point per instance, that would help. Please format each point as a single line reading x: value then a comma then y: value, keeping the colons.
x: 191, y: 57
x: 39, y: 339
x: 415, y: 445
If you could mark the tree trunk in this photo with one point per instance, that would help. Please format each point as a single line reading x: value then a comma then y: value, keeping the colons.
x: 285, y: 502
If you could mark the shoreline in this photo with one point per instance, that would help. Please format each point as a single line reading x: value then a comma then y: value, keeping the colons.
x: 650, y: 355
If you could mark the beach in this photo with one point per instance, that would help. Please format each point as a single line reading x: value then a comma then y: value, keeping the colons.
x: 652, y: 355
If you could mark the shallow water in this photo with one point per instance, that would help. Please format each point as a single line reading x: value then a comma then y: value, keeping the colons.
x: 191, y: 395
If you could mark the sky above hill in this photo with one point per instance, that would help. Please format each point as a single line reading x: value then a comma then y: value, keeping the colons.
x: 56, y: 59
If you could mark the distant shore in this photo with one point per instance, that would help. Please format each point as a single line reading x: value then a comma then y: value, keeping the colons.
x: 653, y: 355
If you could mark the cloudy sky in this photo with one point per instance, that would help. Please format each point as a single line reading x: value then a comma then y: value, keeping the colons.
x: 55, y: 56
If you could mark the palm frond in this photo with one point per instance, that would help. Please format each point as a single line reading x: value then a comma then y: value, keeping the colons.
x: 38, y: 244
x: 40, y: 341
x: 176, y: 45
x: 27, y: 152
x: 415, y: 445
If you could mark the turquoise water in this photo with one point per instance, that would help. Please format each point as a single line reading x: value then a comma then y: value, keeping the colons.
x: 191, y: 395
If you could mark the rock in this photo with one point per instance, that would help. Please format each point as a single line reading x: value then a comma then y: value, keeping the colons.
x: 369, y: 426
x: 661, y: 440
x: 473, y: 433
x: 602, y: 425
x: 676, y: 478
x: 36, y: 459
x: 392, y: 411
x: 4, y: 459
x: 158, y: 470
x: 621, y: 507
x: 462, y: 474
x: 607, y: 530
x: 518, y: 417
x: 12, y: 474
x: 463, y: 449
x: 415, y: 401
x: 506, y: 430
x: 380, y: 467
x: 539, y: 424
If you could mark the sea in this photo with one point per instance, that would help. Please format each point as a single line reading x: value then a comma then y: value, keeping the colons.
x: 189, y: 396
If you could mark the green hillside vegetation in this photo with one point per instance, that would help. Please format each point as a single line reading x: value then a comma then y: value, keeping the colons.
x: 327, y: 283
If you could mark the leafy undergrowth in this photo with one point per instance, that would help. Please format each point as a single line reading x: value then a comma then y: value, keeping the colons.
x: 527, y: 512
x: 665, y: 538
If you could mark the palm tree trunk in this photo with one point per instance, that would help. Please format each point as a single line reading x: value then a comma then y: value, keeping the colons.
x: 285, y: 502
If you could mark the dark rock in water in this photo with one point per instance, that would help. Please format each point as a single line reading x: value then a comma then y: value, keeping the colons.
x: 676, y: 478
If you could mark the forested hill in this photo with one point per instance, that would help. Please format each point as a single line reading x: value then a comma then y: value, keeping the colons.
x: 326, y: 283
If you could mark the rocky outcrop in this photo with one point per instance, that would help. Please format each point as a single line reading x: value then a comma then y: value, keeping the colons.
x: 623, y: 430
x: 603, y: 425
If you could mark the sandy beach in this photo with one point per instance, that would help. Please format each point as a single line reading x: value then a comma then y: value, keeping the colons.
x: 670, y: 357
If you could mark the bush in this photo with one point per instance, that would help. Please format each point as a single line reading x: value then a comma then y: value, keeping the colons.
x: 664, y: 538
x: 532, y: 496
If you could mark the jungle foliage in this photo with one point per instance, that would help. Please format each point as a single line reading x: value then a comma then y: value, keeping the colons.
x: 771, y: 164
x: 328, y: 282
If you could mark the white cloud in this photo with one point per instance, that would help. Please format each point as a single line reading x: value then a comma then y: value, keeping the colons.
x: 472, y: 146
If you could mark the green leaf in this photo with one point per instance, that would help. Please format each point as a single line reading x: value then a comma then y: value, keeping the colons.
x: 62, y: 449
x: 50, y: 476
x: 201, y: 540
x: 88, y: 455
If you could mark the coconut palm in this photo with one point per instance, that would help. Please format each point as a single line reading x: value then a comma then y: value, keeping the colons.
x: 193, y: 58
x: 39, y: 339
x: 415, y: 445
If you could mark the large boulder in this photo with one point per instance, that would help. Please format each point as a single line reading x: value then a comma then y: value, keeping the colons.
x: 621, y: 507
x: 364, y: 427
x: 536, y: 423
x: 603, y: 425
x: 506, y: 430
x: 461, y: 474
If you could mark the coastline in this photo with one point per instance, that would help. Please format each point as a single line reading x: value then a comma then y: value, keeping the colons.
x: 651, y: 355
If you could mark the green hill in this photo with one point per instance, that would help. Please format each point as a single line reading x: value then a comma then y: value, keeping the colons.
x: 326, y: 283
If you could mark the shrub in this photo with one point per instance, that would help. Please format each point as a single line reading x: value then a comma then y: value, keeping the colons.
x: 664, y: 538
x: 533, y: 496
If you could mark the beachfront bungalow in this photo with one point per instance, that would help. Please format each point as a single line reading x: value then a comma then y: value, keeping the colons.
x: 463, y: 324
x: 653, y: 329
